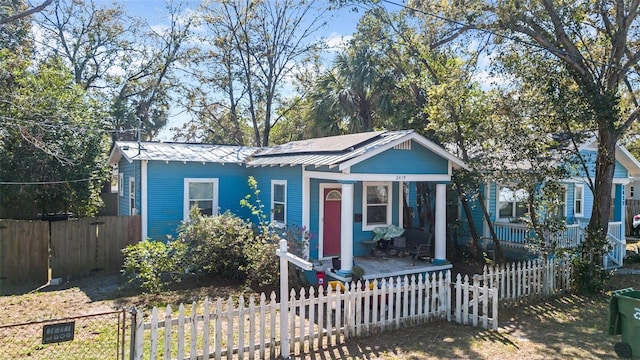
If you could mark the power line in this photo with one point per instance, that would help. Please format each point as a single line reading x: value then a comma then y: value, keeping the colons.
x: 63, y: 126
x: 55, y: 182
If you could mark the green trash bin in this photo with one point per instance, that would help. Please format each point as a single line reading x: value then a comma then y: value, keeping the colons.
x: 624, y: 319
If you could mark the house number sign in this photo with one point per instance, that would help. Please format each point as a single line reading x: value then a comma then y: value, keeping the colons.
x: 636, y: 315
x: 55, y: 333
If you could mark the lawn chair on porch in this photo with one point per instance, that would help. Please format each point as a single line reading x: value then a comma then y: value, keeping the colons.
x: 416, y: 242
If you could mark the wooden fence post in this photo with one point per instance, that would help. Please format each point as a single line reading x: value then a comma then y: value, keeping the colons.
x: 285, y: 258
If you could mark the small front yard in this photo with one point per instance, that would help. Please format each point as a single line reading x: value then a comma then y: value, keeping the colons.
x: 569, y: 327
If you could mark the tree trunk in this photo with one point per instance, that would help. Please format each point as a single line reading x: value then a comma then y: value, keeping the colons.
x: 605, y: 166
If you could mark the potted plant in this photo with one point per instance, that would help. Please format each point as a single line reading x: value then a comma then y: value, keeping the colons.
x: 383, y: 234
x: 357, y: 272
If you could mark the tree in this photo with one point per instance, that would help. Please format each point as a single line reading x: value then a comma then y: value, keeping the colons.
x: 120, y: 60
x: 254, y: 49
x: 354, y: 96
x: 52, y: 144
x: 598, y: 46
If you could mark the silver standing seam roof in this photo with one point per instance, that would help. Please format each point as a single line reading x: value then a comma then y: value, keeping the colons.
x: 182, y: 152
x: 327, y: 151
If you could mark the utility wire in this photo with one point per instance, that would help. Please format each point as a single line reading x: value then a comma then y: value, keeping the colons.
x: 47, y: 182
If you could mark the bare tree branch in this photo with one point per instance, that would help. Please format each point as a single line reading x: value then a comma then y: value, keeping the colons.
x: 25, y: 13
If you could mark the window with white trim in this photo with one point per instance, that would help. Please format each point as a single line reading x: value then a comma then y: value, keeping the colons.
x: 202, y: 193
x: 512, y: 204
x: 132, y: 196
x: 578, y: 200
x: 114, y: 180
x: 561, y: 212
x: 376, y: 207
x: 121, y: 184
x: 279, y: 201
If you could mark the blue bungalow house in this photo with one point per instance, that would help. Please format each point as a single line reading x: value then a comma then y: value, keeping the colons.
x: 340, y: 187
x: 505, y: 204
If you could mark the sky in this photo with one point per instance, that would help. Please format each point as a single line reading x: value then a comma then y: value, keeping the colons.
x: 341, y: 24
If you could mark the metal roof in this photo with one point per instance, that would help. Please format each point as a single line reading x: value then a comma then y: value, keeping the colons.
x: 329, y: 151
x: 330, y: 144
x: 343, y: 151
x: 181, y: 152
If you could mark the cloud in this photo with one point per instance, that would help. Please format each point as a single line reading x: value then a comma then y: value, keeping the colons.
x: 337, y: 42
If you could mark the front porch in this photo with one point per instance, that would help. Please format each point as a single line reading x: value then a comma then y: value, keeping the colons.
x: 383, y: 267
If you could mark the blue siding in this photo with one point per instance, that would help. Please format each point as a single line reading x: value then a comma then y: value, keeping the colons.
x: 314, y: 217
x: 165, y: 192
x: 418, y: 160
x: 620, y: 171
x: 588, y: 202
x: 590, y: 157
x: 618, y: 205
x: 590, y: 160
x: 493, y: 201
x: 128, y: 170
x: 293, y: 176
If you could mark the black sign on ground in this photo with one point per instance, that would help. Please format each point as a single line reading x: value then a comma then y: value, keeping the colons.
x: 55, y: 333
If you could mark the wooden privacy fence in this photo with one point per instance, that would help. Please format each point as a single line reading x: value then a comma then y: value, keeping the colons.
x: 89, y: 245
x: 24, y: 251
x: 77, y: 247
x: 317, y: 319
x: 526, y: 281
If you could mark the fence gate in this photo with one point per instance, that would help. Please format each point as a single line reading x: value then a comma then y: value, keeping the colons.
x: 88, y: 337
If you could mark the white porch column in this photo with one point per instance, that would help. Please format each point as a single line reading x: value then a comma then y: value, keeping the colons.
x: 440, y: 251
x: 144, y: 201
x: 346, y: 229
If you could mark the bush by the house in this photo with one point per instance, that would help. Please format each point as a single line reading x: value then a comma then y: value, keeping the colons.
x: 262, y: 266
x: 215, y: 244
x: 152, y: 264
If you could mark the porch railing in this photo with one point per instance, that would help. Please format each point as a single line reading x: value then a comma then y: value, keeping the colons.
x: 512, y: 234
x: 516, y: 234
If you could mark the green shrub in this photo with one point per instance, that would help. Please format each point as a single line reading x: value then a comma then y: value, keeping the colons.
x: 151, y: 262
x: 262, y: 268
x: 214, y: 244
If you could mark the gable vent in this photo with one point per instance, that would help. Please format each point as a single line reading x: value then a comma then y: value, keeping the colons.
x: 403, y: 146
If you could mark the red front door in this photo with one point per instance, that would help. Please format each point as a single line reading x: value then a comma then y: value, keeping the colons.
x: 331, y: 227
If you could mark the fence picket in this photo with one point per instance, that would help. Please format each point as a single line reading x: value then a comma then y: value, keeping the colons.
x: 322, y: 300
x: 167, y: 333
x: 312, y: 316
x: 252, y: 326
x: 181, y: 331
x: 154, y: 333
x: 240, y: 327
x: 301, y: 318
x: 273, y: 306
x: 367, y: 309
x: 194, y: 335
x: 206, y: 320
x: 217, y: 340
x: 262, y: 336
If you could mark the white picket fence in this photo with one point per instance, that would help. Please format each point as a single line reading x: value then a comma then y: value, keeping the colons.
x: 317, y: 319
x: 526, y: 281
